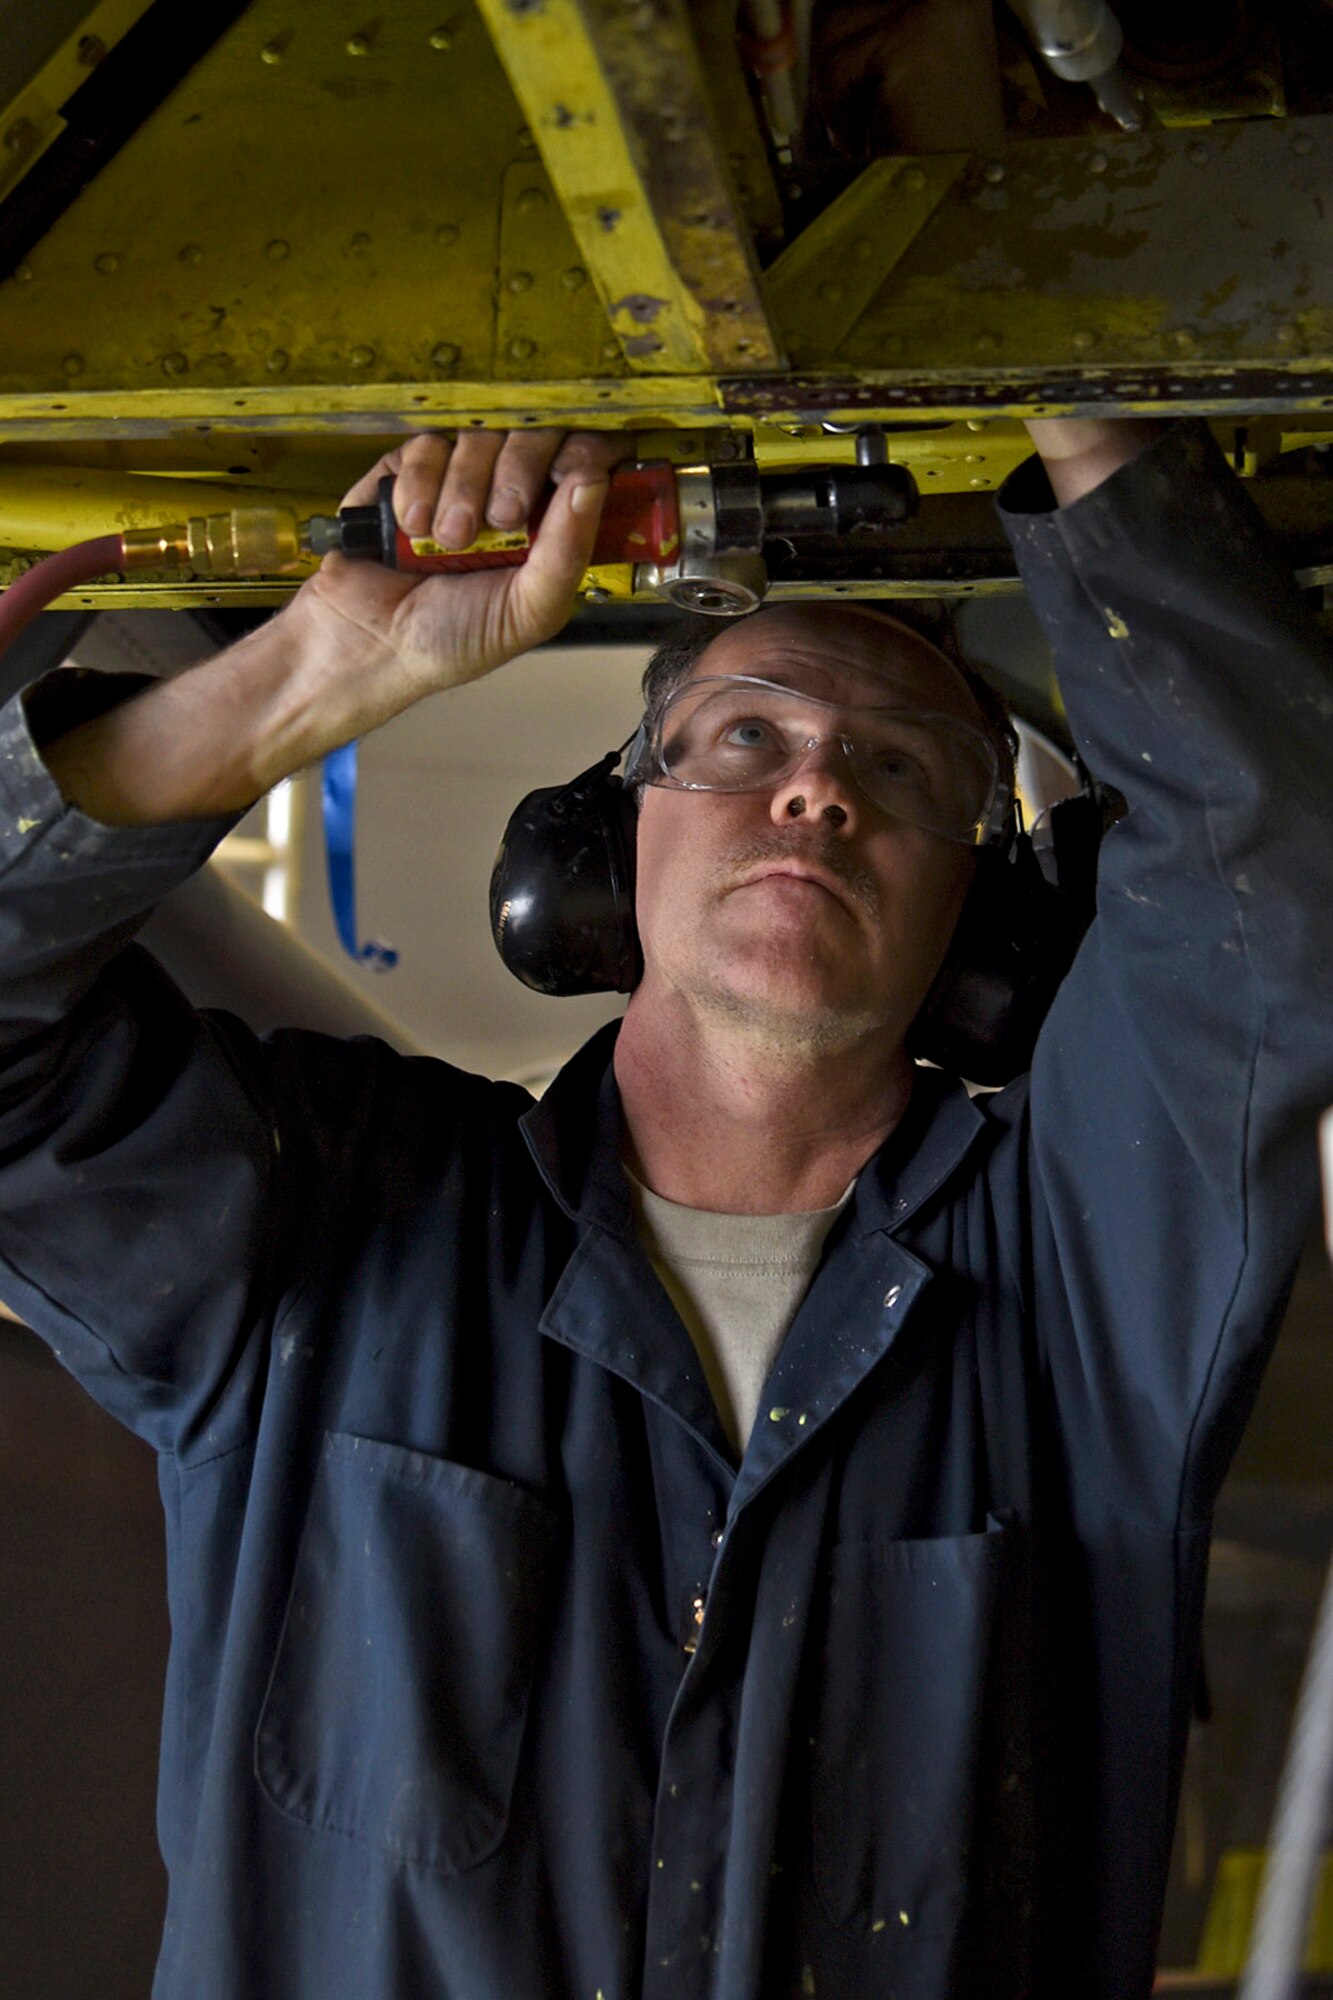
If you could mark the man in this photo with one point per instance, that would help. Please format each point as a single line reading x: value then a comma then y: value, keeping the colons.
x: 510, y: 1656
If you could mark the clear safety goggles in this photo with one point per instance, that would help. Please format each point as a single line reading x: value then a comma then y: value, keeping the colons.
x: 733, y: 733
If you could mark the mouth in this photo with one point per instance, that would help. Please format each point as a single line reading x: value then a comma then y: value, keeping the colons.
x: 800, y: 876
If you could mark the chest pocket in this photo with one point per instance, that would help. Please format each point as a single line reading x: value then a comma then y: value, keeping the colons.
x: 395, y: 1709
x: 900, y: 1752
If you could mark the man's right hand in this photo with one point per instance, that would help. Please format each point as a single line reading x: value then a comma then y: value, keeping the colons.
x: 358, y: 643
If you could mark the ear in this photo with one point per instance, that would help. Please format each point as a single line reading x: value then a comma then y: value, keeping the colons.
x: 562, y: 889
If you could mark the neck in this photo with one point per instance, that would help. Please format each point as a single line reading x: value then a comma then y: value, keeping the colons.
x: 723, y: 1117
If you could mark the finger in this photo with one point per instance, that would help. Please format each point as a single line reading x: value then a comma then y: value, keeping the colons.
x: 520, y: 475
x: 423, y: 463
x: 461, y: 504
x: 541, y: 593
x: 591, y: 451
x: 365, y: 489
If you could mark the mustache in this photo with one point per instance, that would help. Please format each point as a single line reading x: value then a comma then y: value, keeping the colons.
x: 826, y: 853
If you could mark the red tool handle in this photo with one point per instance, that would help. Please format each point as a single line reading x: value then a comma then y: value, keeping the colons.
x: 640, y: 523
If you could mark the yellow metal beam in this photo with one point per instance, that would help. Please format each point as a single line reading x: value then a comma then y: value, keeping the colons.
x: 616, y: 101
x: 31, y: 120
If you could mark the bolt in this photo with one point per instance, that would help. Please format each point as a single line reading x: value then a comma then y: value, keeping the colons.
x: 277, y: 250
x: 994, y: 172
x: 443, y: 38
x: 1198, y: 155
x: 1302, y: 143
x: 574, y: 279
x: 277, y: 361
x: 1084, y: 339
x: 911, y: 180
x: 830, y: 291
x: 521, y: 350
x: 73, y: 364
x: 358, y: 44
x: 359, y: 244
x: 90, y: 51
x: 519, y: 281
x: 533, y: 200
x: 1183, y: 340
x: 446, y: 234
x: 21, y: 135
x: 362, y: 357
x: 191, y: 254
x: 174, y: 364
x: 106, y: 263
x: 445, y: 355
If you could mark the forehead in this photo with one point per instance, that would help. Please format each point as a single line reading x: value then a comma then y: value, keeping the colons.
x: 840, y: 653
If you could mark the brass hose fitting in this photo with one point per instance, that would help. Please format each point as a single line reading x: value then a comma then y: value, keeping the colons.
x: 247, y: 541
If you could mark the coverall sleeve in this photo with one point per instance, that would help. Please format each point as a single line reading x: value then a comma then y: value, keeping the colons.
x: 136, y: 1147
x: 1176, y: 1083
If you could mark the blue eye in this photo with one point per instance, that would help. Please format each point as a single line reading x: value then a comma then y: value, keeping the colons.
x: 748, y: 735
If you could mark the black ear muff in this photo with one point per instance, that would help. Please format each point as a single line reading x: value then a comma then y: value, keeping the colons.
x: 562, y: 889
x: 1024, y: 919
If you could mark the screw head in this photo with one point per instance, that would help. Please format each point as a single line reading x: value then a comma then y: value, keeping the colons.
x: 174, y: 364
x: 521, y: 350
x: 574, y: 279
x: 519, y: 281
x: 362, y: 357
x: 533, y: 200
x: 106, y: 263
x: 446, y: 234
x: 445, y: 354
x: 276, y: 361
x: 1097, y: 163
x: 1288, y: 334
x: 1084, y: 338
x: 73, y: 364
x: 277, y: 249
x: 610, y: 350
x: 191, y: 253
x: 993, y: 172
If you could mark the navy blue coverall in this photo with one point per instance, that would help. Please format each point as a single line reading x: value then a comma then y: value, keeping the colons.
x: 441, y: 1472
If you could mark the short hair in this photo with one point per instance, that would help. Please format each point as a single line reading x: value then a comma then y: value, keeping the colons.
x: 931, y: 618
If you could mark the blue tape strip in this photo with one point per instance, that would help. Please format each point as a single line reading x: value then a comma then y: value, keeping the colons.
x: 339, y: 796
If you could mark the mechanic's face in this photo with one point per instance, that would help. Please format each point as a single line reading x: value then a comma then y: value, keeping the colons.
x: 804, y: 910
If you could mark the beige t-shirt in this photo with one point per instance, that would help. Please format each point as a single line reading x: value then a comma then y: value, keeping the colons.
x: 736, y: 1281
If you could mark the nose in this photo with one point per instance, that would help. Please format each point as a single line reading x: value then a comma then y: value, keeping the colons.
x: 821, y: 788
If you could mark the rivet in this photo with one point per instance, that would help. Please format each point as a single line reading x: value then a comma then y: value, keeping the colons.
x: 445, y: 355
x: 892, y: 1296
x: 519, y: 281
x: 21, y: 135
x: 362, y: 357
x: 978, y: 482
x: 73, y: 364
x: 830, y: 290
x: 1198, y: 155
x: 359, y: 244
x: 277, y: 250
x: 1302, y: 143
x: 442, y: 39
x: 446, y: 234
x: 994, y: 172
x: 986, y: 343
x: 358, y: 44
x: 525, y: 138
x: 595, y: 594
x: 23, y: 272
x: 1097, y: 163
x: 521, y: 350
x: 610, y: 349
x: 106, y: 263
x: 973, y: 458
x: 273, y: 52
x: 90, y: 51
x: 276, y: 361
x: 776, y: 1414
x: 574, y: 278
x: 532, y: 201
x: 191, y: 253
x: 1183, y: 340
x: 1288, y: 334
x: 911, y: 180
x: 977, y: 423
x: 174, y: 364
x: 1084, y: 339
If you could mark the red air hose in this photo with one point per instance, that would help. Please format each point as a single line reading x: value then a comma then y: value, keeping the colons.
x: 51, y: 578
